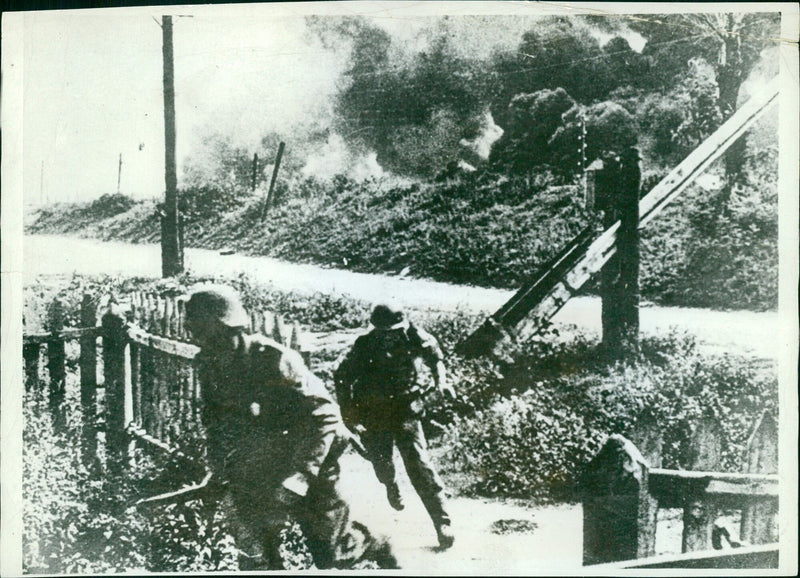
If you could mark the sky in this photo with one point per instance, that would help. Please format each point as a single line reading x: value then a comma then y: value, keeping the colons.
x: 93, y: 91
x: 93, y: 84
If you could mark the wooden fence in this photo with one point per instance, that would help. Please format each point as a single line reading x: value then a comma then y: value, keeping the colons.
x: 148, y: 388
x: 624, y: 488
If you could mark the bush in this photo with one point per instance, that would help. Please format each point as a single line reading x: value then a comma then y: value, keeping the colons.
x: 110, y: 205
x: 554, y: 409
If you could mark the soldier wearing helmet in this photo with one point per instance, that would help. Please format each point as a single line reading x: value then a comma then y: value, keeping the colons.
x: 379, y: 389
x: 274, y: 441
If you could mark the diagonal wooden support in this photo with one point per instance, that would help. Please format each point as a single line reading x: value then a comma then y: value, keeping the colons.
x: 527, y: 318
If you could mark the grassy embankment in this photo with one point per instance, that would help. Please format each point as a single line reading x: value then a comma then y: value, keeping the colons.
x: 477, y: 230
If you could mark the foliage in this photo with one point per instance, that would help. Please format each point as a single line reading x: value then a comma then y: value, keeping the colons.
x: 557, y: 53
x: 75, y: 216
x: 534, y: 440
x: 610, y: 128
x: 737, y: 259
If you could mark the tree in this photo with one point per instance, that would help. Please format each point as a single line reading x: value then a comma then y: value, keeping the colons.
x: 562, y: 53
x: 732, y: 43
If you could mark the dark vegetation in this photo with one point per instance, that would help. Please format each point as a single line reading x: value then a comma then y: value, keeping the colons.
x: 523, y: 430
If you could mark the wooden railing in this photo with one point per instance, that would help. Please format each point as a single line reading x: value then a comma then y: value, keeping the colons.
x: 150, y: 391
x: 623, y: 493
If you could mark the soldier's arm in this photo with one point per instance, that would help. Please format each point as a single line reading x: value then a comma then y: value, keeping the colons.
x: 434, y: 357
x: 344, y: 377
x: 324, y: 416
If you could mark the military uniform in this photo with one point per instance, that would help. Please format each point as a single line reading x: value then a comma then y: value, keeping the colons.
x: 274, y: 440
x: 378, y: 386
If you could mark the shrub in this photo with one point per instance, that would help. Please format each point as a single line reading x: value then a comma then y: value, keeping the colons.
x: 554, y: 409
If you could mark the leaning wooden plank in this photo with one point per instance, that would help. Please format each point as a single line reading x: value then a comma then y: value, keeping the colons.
x: 169, y: 346
x: 761, y: 556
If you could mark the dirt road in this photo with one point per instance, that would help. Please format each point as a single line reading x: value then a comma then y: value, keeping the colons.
x: 739, y: 331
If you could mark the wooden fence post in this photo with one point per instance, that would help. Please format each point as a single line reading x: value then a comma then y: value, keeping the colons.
x: 646, y: 436
x: 56, y: 356
x: 617, y: 188
x: 618, y: 512
x: 114, y: 346
x: 759, y: 518
x: 628, y: 250
x: 88, y: 371
x: 30, y: 353
x: 699, y: 514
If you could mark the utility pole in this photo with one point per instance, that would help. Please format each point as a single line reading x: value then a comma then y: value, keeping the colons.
x: 119, y: 173
x: 41, y: 185
x: 268, y: 202
x: 171, y: 251
x: 255, y: 172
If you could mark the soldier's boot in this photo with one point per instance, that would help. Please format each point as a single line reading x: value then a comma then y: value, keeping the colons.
x: 381, y: 553
x: 394, y: 496
x: 445, y: 534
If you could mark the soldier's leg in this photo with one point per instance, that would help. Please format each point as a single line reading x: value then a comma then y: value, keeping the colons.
x: 256, y: 523
x: 379, y: 443
x: 413, y: 448
x: 334, y: 538
x: 256, y: 534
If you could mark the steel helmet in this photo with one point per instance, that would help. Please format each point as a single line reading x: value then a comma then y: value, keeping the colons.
x: 386, y: 316
x: 217, y: 302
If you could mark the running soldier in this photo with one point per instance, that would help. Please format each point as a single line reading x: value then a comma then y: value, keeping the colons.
x: 274, y: 441
x: 379, y: 389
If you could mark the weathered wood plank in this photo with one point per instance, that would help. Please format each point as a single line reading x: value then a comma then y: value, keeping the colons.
x: 648, y: 439
x: 64, y: 334
x: 114, y: 347
x: 88, y: 379
x: 30, y: 354
x: 148, y: 399
x: 142, y: 435
x: 168, y: 322
x: 762, y: 556
x: 698, y: 513
x: 136, y: 382
x: 759, y: 523
x: 671, y: 487
x: 56, y: 354
x: 169, y: 346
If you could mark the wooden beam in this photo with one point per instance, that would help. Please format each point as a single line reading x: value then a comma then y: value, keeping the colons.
x: 762, y: 556
x: 671, y: 487
x: 531, y: 317
x: 177, y: 348
x: 63, y: 334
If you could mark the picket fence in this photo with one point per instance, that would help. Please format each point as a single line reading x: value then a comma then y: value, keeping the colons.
x: 143, y: 386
